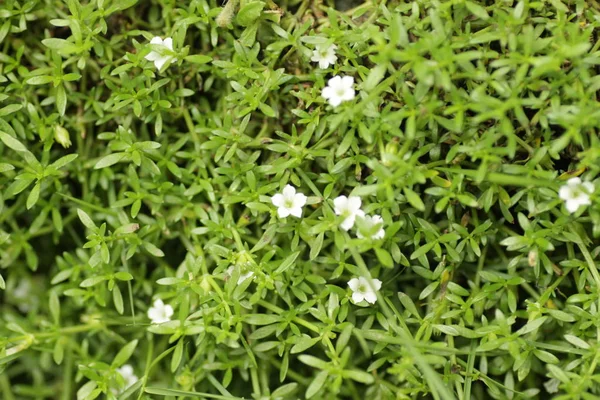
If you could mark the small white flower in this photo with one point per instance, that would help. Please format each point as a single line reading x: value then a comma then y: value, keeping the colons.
x: 338, y: 90
x: 289, y: 202
x: 324, y: 55
x: 576, y: 193
x: 160, y: 312
x: 362, y: 289
x: 160, y: 59
x: 368, y: 227
x: 244, y: 274
x: 348, y: 207
x: 126, y: 371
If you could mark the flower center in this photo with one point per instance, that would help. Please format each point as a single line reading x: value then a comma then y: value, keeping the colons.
x: 340, y: 91
x: 288, y: 203
x: 362, y: 288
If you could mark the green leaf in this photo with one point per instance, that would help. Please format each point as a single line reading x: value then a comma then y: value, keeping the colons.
x: 477, y: 10
x: 109, y: 160
x: 39, y: 80
x: 10, y: 109
x: 85, y: 219
x: 316, y: 384
x: 414, y: 199
x: 359, y: 376
x: 261, y: 319
x: 124, y: 354
x: 118, y: 299
x: 183, y: 393
x: 34, y: 196
x: 11, y: 142
x: 6, y: 167
x: 287, y: 263
x: 198, y: 59
x: 61, y: 99
x: 177, y: 355
x: 250, y: 13
x: 54, y: 305
x: 575, y: 341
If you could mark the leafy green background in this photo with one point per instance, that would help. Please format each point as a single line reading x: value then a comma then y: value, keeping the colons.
x: 468, y: 117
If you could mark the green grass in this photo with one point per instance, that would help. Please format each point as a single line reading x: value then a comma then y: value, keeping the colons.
x: 122, y: 184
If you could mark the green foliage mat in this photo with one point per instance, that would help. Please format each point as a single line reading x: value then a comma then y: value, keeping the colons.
x: 148, y: 248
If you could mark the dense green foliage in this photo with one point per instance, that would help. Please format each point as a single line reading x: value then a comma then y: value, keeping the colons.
x: 121, y: 184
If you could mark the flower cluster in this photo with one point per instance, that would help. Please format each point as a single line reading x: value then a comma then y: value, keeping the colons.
x: 370, y: 227
x: 290, y: 202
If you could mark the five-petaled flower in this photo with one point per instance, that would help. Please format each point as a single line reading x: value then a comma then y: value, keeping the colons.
x: 349, y: 208
x: 129, y: 377
x: 160, y: 312
x: 289, y: 202
x: 576, y: 193
x: 324, y: 55
x: 244, y: 274
x: 338, y: 90
x: 158, y: 58
x: 371, y: 227
x: 362, y: 289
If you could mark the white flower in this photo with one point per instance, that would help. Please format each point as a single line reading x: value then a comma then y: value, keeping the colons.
x: 324, y: 55
x: 161, y: 59
x: 289, y: 202
x: 362, y: 289
x: 338, y: 90
x: 126, y: 371
x: 348, y: 207
x: 576, y: 193
x: 244, y: 274
x: 369, y: 227
x: 160, y: 312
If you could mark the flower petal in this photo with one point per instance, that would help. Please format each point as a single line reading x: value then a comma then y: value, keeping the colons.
x: 335, y: 81
x: 572, y: 206
x: 353, y: 284
x: 354, y: 203
x: 564, y: 192
x: 299, y: 200
x: 371, y: 297
x: 348, y: 223
x: 283, y: 212
x: 349, y: 94
x: 348, y: 81
x: 376, y: 284
x: 357, y: 297
x: 156, y: 40
x: 169, y: 43
x: 158, y: 303
x: 574, y: 181
x: 159, y: 62
x: 335, y: 101
x: 327, y: 92
x: 296, y: 212
x: 289, y: 192
x: 152, y: 56
x: 277, y: 200
x: 340, y: 204
x: 168, y: 311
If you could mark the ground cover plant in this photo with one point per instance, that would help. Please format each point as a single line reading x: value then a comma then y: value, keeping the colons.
x: 299, y: 199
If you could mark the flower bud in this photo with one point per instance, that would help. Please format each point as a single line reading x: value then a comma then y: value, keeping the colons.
x: 61, y: 135
x: 226, y: 16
